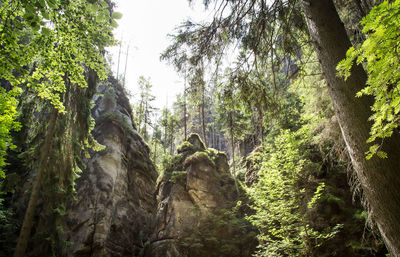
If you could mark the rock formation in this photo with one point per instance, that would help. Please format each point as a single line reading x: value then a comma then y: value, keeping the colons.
x: 115, y: 207
x: 121, y: 211
x: 196, y: 183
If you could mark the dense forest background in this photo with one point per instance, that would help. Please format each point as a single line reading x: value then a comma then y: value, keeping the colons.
x: 307, y: 112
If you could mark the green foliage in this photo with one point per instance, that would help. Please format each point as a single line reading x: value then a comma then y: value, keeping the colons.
x: 214, y: 154
x: 169, y: 122
x: 310, y: 86
x: 8, y: 230
x: 232, y: 114
x: 59, y: 50
x: 144, y: 110
x: 278, y: 199
x: 45, y: 47
x: 170, y: 162
x: 317, y: 195
x: 156, y: 151
x: 8, y: 112
x: 275, y: 200
x: 380, y: 55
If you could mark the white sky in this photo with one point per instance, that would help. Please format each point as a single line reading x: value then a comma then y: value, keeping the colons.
x: 144, y: 26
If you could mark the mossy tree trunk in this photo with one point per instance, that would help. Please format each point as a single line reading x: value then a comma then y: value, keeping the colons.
x: 379, y: 178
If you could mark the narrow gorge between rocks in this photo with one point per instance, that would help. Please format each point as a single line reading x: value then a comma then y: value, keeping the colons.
x: 215, y: 128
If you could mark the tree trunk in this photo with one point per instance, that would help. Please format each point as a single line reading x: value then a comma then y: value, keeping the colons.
x: 140, y: 116
x: 203, y: 122
x: 145, y: 135
x: 165, y: 131
x: 126, y: 64
x: 119, y: 57
x: 233, y: 151
x: 171, y: 149
x: 379, y: 178
x: 34, y: 197
x: 359, y: 7
x: 184, y: 109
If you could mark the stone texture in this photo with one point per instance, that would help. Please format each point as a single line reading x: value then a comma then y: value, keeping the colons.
x: 115, y: 208
x: 184, y: 197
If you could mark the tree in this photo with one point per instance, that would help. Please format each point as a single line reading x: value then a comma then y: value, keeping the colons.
x: 197, y: 94
x: 234, y: 119
x: 144, y: 110
x: 156, y: 141
x: 180, y: 109
x: 184, y: 109
x: 169, y: 123
x: 277, y: 199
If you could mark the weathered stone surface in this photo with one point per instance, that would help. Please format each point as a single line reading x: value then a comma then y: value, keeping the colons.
x: 115, y: 210
x: 190, y: 189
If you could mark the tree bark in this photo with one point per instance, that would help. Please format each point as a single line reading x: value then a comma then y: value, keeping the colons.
x: 379, y: 178
x: 184, y: 109
x: 233, y: 151
x: 34, y: 197
x: 165, y: 144
x: 203, y: 122
x: 359, y: 7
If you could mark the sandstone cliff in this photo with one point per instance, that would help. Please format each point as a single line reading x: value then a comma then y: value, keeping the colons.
x: 192, y: 195
x: 115, y: 207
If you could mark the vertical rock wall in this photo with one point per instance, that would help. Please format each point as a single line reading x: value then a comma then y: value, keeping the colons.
x: 115, y: 207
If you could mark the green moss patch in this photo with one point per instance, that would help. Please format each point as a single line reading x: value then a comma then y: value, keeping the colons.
x: 198, y: 157
x: 178, y: 176
x: 184, y: 147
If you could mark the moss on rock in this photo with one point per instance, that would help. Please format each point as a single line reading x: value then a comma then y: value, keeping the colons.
x: 198, y: 157
x: 185, y: 147
x: 196, y: 141
x: 178, y: 177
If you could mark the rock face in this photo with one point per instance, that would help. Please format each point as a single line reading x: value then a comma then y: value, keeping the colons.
x: 195, y: 185
x: 115, y: 208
